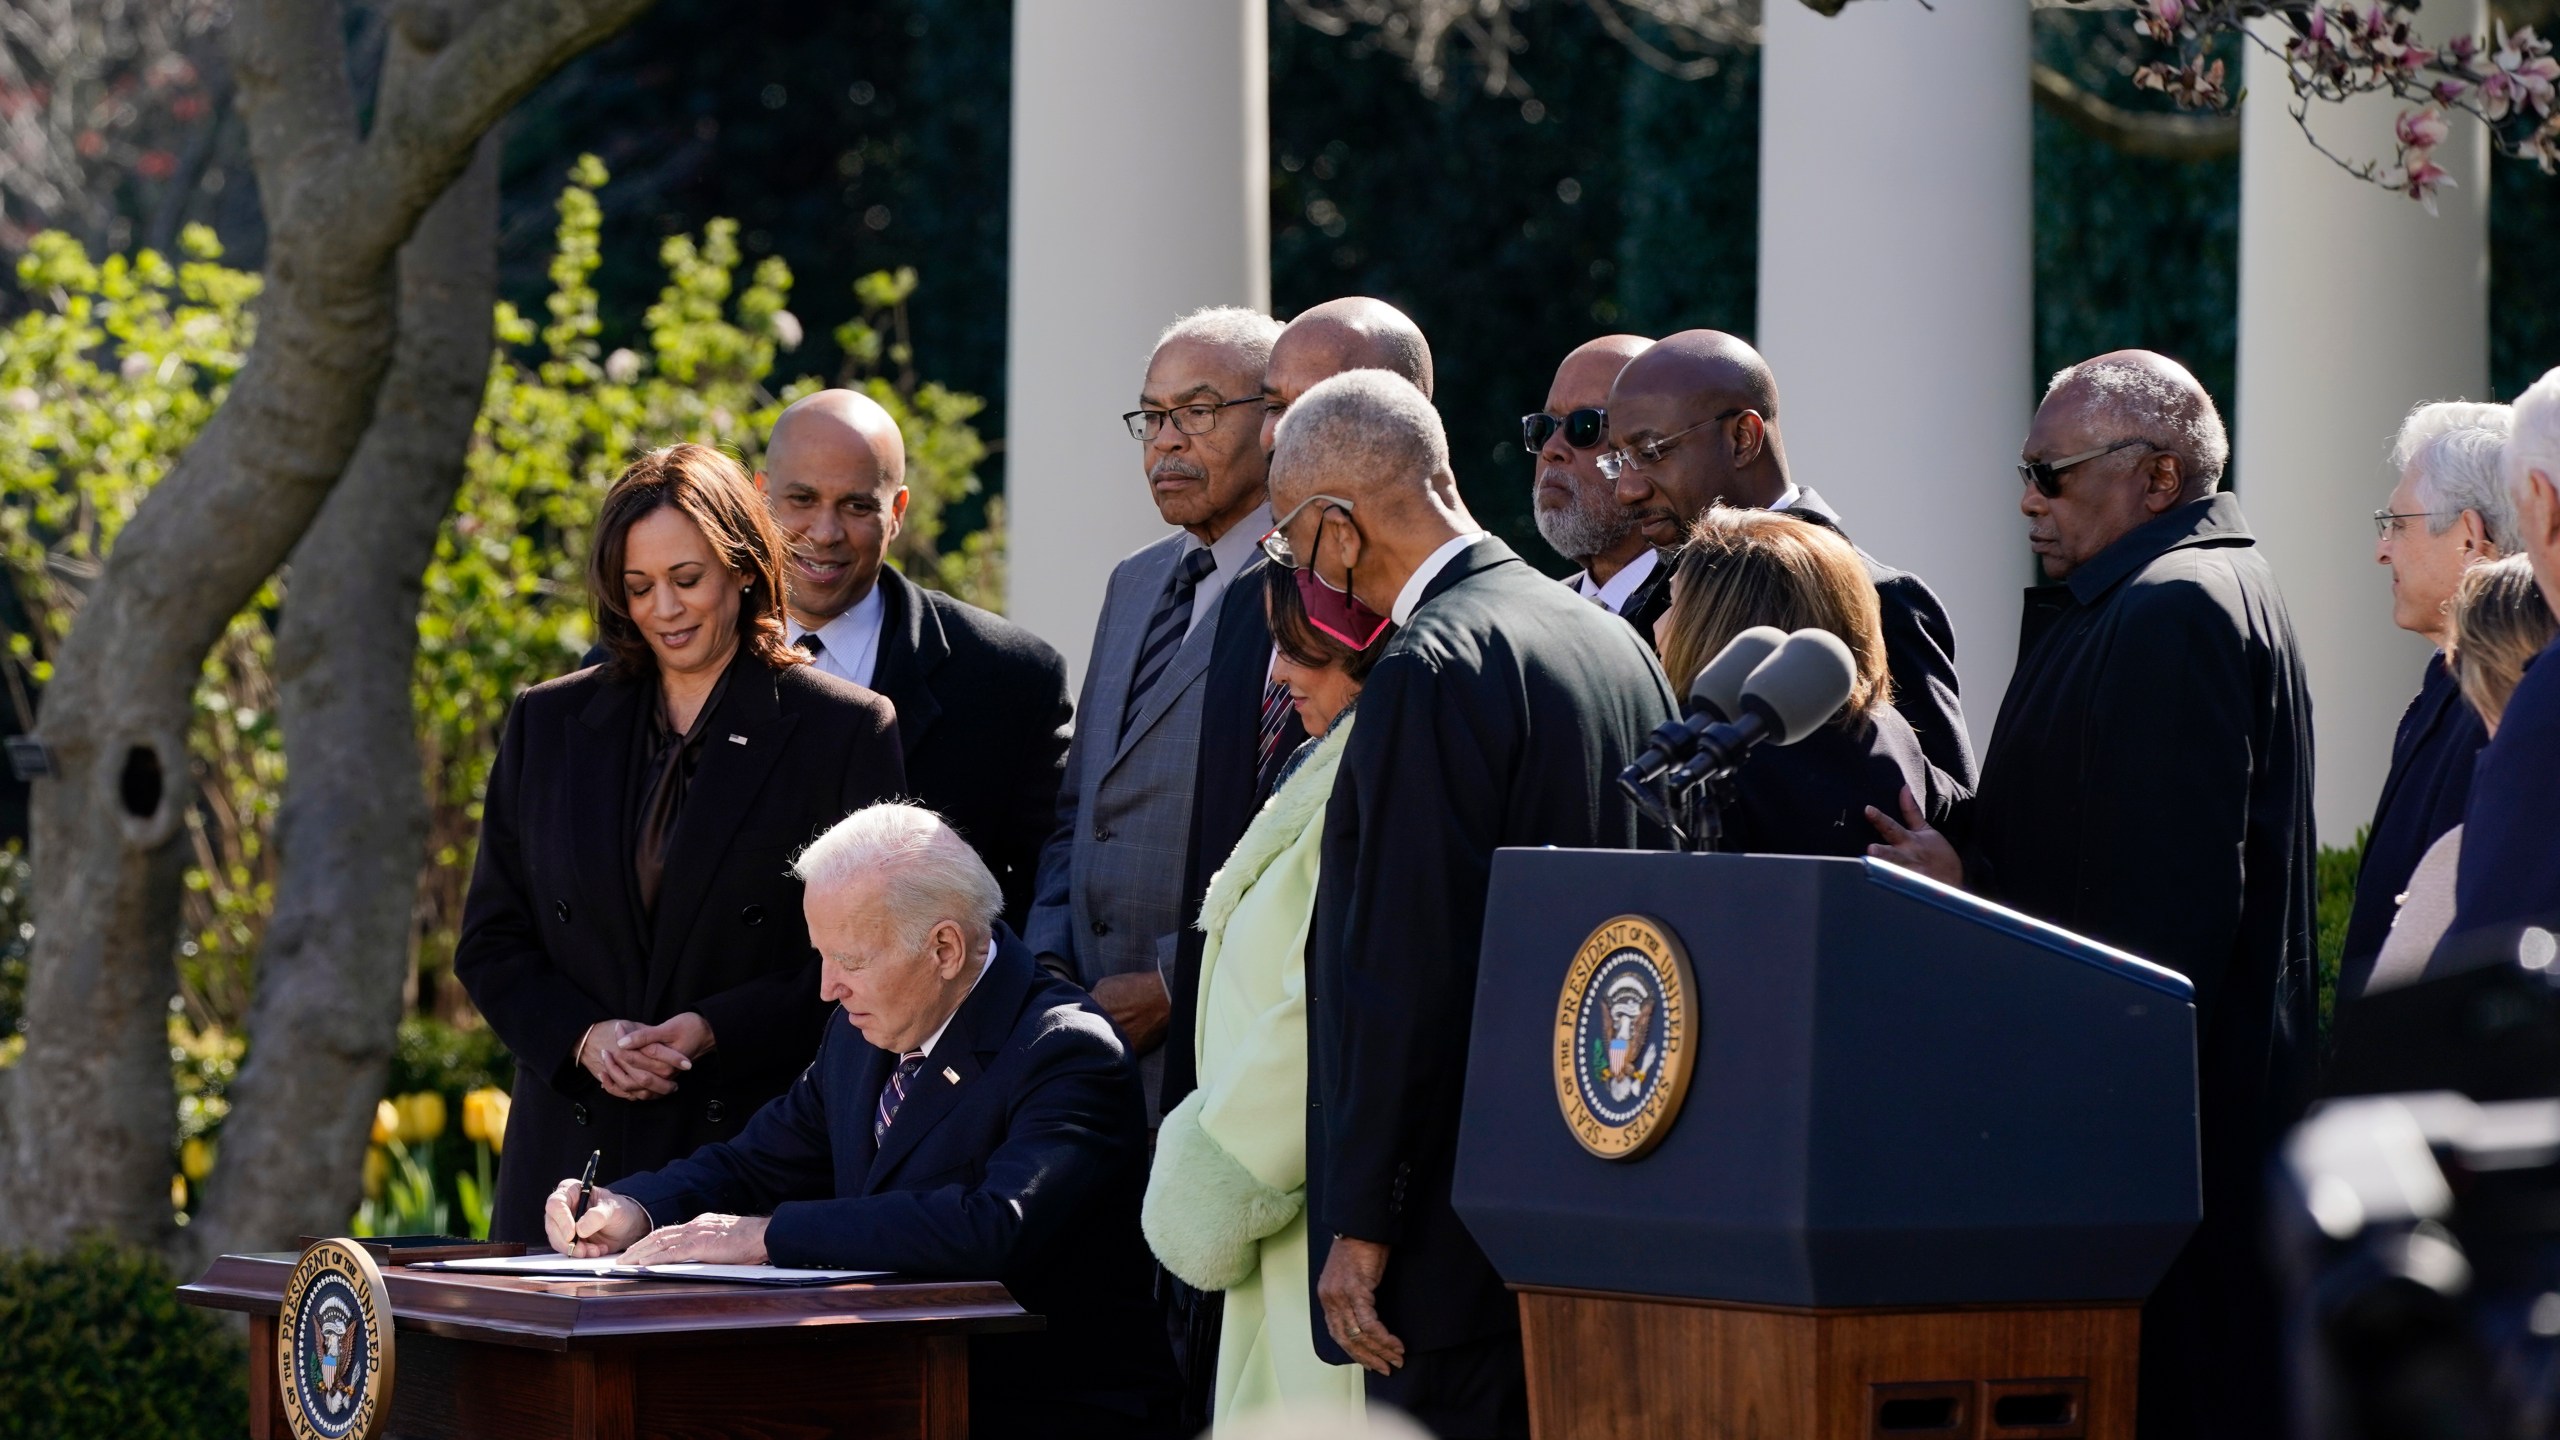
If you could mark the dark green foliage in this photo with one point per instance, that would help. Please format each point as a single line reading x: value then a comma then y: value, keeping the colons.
x: 94, y: 1343
x: 448, y: 1059
x: 2524, y: 275
x: 17, y: 937
x: 2337, y: 896
x: 1513, y: 231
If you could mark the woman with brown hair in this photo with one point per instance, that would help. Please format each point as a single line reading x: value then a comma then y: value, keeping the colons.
x: 633, y: 932
x: 1746, y: 567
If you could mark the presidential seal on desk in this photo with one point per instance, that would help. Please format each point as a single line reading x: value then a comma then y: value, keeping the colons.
x: 333, y: 1345
x: 1625, y: 1026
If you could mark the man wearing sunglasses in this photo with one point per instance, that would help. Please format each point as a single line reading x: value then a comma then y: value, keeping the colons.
x: 1499, y: 716
x: 1693, y: 422
x: 1577, y: 506
x: 2149, y: 786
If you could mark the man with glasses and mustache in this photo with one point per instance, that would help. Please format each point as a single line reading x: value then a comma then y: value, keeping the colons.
x: 2149, y: 786
x: 1577, y: 506
x: 1693, y: 422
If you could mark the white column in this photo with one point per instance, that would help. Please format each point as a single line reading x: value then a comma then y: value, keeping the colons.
x: 1897, y: 299
x: 2355, y: 304
x: 1141, y: 189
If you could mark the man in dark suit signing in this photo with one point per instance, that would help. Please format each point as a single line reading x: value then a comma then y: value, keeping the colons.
x: 1695, y: 423
x: 972, y: 1116
x: 1499, y: 716
x: 982, y: 703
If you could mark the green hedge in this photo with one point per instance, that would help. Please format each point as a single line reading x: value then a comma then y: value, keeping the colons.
x: 95, y: 1343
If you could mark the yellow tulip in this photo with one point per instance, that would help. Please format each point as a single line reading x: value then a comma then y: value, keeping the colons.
x: 377, y: 1172
x: 386, y: 1122
x: 421, y: 1116
x: 484, y: 1116
x: 178, y: 1192
x: 501, y: 1105
x: 195, y: 1158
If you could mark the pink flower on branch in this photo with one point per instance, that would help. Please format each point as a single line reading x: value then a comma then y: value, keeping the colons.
x: 2422, y: 129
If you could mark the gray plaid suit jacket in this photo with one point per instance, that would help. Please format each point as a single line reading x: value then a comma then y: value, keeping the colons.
x: 1109, y: 896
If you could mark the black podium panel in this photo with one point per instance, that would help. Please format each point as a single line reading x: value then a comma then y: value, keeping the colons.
x: 1901, y: 1095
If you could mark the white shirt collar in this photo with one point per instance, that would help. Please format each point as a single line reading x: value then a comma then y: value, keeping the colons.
x: 850, y: 641
x: 1788, y: 497
x: 1631, y: 576
x: 1234, y: 550
x: 986, y: 962
x: 1411, y: 595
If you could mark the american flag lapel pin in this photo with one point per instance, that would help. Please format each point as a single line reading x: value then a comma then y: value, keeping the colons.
x: 737, y: 739
x: 950, y: 1074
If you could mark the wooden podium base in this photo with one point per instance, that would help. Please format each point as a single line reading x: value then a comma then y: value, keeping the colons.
x: 1617, y: 1367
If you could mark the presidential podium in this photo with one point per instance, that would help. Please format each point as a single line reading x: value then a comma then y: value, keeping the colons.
x: 1922, y: 1160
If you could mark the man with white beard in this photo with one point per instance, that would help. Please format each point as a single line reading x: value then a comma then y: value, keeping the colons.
x: 1577, y: 507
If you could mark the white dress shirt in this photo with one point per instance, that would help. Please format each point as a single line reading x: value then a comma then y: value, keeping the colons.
x: 1411, y: 595
x: 1789, y: 496
x: 1613, y: 596
x: 850, y: 643
x: 986, y: 962
x: 1234, y: 551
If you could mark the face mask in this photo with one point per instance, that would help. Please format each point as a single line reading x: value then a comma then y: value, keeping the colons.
x: 1337, y: 613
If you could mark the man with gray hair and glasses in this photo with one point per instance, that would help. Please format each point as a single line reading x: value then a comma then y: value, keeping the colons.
x: 2509, y: 880
x: 2448, y: 512
x: 968, y: 1115
x: 2149, y: 785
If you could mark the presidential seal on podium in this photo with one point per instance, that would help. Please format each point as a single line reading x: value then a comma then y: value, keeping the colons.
x: 333, y: 1345
x: 1624, y: 1027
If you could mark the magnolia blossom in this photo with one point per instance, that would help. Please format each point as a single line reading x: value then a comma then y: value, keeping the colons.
x: 2521, y: 75
x: 2422, y: 129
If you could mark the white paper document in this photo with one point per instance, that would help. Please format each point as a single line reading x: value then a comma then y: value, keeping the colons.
x: 610, y: 1267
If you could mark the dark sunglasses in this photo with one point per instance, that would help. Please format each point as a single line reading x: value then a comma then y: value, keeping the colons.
x: 2046, y: 475
x: 1581, y: 428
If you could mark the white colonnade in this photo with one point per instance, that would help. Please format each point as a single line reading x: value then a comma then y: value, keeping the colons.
x: 1141, y: 189
x: 1897, y: 299
x: 2355, y: 304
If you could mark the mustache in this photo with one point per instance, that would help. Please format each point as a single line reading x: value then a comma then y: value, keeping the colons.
x: 1176, y: 465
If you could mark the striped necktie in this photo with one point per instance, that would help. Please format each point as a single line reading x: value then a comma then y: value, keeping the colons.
x: 1275, y: 714
x: 894, y: 1094
x: 1166, y: 628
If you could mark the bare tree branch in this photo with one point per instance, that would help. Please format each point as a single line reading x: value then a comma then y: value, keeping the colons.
x: 2135, y: 132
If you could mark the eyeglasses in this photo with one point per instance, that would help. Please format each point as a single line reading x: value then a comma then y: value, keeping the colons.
x: 2046, y: 476
x: 1276, y: 543
x: 1581, y: 428
x: 2386, y: 523
x: 1644, y: 453
x: 1188, y: 419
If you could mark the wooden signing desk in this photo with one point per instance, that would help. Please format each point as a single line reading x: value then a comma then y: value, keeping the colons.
x: 498, y: 1357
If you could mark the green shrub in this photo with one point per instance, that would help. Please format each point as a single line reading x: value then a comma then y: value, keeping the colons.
x: 2337, y: 896
x: 96, y: 1343
x: 449, y: 1059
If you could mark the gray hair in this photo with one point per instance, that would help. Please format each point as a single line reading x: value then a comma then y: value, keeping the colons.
x: 1362, y: 432
x: 928, y: 874
x: 1239, y: 328
x: 2168, y: 416
x: 2534, y: 443
x: 2452, y: 448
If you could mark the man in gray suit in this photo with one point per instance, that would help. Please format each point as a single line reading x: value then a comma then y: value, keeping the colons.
x: 1109, y: 905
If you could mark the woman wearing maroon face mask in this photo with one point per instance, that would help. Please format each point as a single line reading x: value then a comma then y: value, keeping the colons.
x: 1226, y: 1200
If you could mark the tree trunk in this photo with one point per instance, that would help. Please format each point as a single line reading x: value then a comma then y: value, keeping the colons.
x: 86, y: 1117
x: 352, y: 832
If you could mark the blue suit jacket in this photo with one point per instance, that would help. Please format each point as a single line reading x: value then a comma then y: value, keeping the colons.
x: 1019, y: 1155
x: 2510, y: 873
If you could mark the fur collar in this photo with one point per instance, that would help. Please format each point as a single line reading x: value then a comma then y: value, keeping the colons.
x: 1283, y: 818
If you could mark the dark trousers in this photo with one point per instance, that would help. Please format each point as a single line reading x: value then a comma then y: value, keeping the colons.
x: 1475, y: 1391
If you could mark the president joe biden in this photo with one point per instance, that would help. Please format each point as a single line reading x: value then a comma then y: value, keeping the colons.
x: 970, y: 1116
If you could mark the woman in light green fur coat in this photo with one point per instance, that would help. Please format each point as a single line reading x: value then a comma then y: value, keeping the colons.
x: 1226, y: 1200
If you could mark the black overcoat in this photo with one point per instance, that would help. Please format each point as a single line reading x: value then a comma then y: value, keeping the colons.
x: 2432, y: 755
x: 2510, y: 871
x: 1811, y: 798
x: 1919, y: 650
x: 1500, y: 715
x: 2149, y: 785
x: 983, y: 718
x: 553, y: 939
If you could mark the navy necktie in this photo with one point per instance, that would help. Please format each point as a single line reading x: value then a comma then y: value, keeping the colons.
x: 1275, y: 713
x: 1166, y: 628
x: 894, y: 1094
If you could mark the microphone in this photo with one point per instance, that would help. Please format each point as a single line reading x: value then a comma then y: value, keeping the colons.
x: 1802, y: 684
x: 1715, y: 697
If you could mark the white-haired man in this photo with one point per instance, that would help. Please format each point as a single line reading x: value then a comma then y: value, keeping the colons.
x: 974, y: 1116
x: 1499, y: 717
x: 2149, y: 785
x: 2448, y: 512
x: 2510, y: 875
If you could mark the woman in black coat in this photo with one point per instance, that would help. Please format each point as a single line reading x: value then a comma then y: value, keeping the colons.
x: 1742, y: 568
x: 632, y: 932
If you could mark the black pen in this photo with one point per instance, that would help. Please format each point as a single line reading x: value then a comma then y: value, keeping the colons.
x: 587, y: 1185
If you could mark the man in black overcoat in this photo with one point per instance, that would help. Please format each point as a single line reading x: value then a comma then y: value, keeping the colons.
x: 982, y: 704
x: 2149, y: 785
x: 1694, y: 421
x: 1499, y: 716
